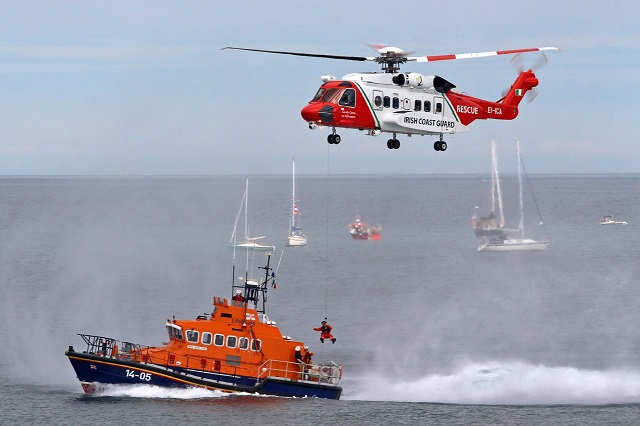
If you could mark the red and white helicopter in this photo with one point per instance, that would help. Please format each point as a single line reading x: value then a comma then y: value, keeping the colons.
x: 406, y: 103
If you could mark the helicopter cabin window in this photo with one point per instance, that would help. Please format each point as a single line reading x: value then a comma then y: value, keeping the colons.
x: 232, y: 341
x: 406, y: 104
x: 256, y: 345
x: 396, y: 102
x: 377, y: 101
x: 438, y: 107
x: 218, y: 340
x: 206, y: 338
x: 319, y: 94
x: 193, y: 336
x: 427, y: 106
x: 417, y: 105
x: 243, y: 343
x: 348, y: 98
x: 387, y: 102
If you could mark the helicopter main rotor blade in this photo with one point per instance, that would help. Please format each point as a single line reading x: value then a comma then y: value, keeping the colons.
x: 313, y: 55
x: 477, y: 55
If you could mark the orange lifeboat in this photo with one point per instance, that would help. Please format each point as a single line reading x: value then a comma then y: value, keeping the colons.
x: 236, y: 348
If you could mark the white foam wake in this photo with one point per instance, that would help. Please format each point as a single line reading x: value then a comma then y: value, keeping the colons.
x: 506, y: 383
x: 150, y: 391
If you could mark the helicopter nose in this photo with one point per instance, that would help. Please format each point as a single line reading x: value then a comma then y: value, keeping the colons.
x: 310, y: 113
x: 318, y: 113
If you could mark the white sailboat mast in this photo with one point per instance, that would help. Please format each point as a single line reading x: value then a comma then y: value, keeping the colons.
x: 293, y: 196
x: 246, y: 208
x: 520, y: 190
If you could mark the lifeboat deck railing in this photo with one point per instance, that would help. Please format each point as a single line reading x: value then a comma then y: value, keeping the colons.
x: 108, y: 347
x: 327, y: 373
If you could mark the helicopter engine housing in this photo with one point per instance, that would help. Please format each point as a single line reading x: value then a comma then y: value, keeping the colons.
x: 419, y: 81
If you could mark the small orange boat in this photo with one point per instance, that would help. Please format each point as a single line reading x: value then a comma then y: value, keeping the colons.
x: 236, y: 348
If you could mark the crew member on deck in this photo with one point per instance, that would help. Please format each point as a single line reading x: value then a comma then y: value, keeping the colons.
x: 299, y: 360
x: 308, y: 363
x: 238, y: 297
x: 325, y: 330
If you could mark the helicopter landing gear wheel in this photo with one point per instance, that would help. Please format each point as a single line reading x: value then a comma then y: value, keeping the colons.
x: 334, y: 138
x: 440, y: 146
x: 393, y: 144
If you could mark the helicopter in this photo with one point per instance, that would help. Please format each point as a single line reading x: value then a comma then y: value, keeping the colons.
x: 407, y: 103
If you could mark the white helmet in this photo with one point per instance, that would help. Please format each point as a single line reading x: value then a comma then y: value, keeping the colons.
x: 239, y: 292
x: 306, y: 347
x: 297, y: 348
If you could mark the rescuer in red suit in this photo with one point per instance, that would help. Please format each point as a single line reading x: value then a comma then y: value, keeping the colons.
x: 325, y: 330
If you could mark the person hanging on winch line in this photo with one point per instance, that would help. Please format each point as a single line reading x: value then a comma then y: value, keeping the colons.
x: 325, y: 330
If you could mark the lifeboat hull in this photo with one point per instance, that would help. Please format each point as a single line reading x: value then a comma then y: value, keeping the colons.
x: 95, y: 371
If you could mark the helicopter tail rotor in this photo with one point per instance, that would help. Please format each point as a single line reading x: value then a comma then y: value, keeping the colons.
x: 518, y: 63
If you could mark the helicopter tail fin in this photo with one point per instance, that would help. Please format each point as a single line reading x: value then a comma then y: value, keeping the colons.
x: 525, y: 82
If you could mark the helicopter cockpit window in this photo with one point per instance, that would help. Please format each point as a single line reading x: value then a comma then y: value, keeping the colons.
x: 319, y: 94
x: 332, y: 96
x: 348, y: 98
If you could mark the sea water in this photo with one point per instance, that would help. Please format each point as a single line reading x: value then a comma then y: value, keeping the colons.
x: 429, y: 330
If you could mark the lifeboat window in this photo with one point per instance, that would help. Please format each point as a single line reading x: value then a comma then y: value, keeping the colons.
x: 387, y: 102
x: 348, y: 98
x: 231, y: 341
x: 243, y: 343
x: 396, y: 102
x: 378, y: 101
x: 218, y: 340
x: 438, y: 108
x: 319, y: 94
x: 178, y: 333
x: 206, y: 338
x: 193, y: 336
x: 427, y: 106
x: 256, y: 345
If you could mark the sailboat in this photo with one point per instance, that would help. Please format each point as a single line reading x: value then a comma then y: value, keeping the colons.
x: 249, y: 243
x: 504, y: 243
x: 296, y: 238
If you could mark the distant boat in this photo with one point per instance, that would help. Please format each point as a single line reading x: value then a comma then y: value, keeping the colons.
x: 360, y: 230
x: 249, y: 243
x: 296, y: 238
x: 608, y: 220
x: 504, y: 243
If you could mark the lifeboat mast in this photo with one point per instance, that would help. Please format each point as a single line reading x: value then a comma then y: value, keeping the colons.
x: 252, y: 290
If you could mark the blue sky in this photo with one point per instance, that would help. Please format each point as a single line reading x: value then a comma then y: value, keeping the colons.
x: 142, y: 88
